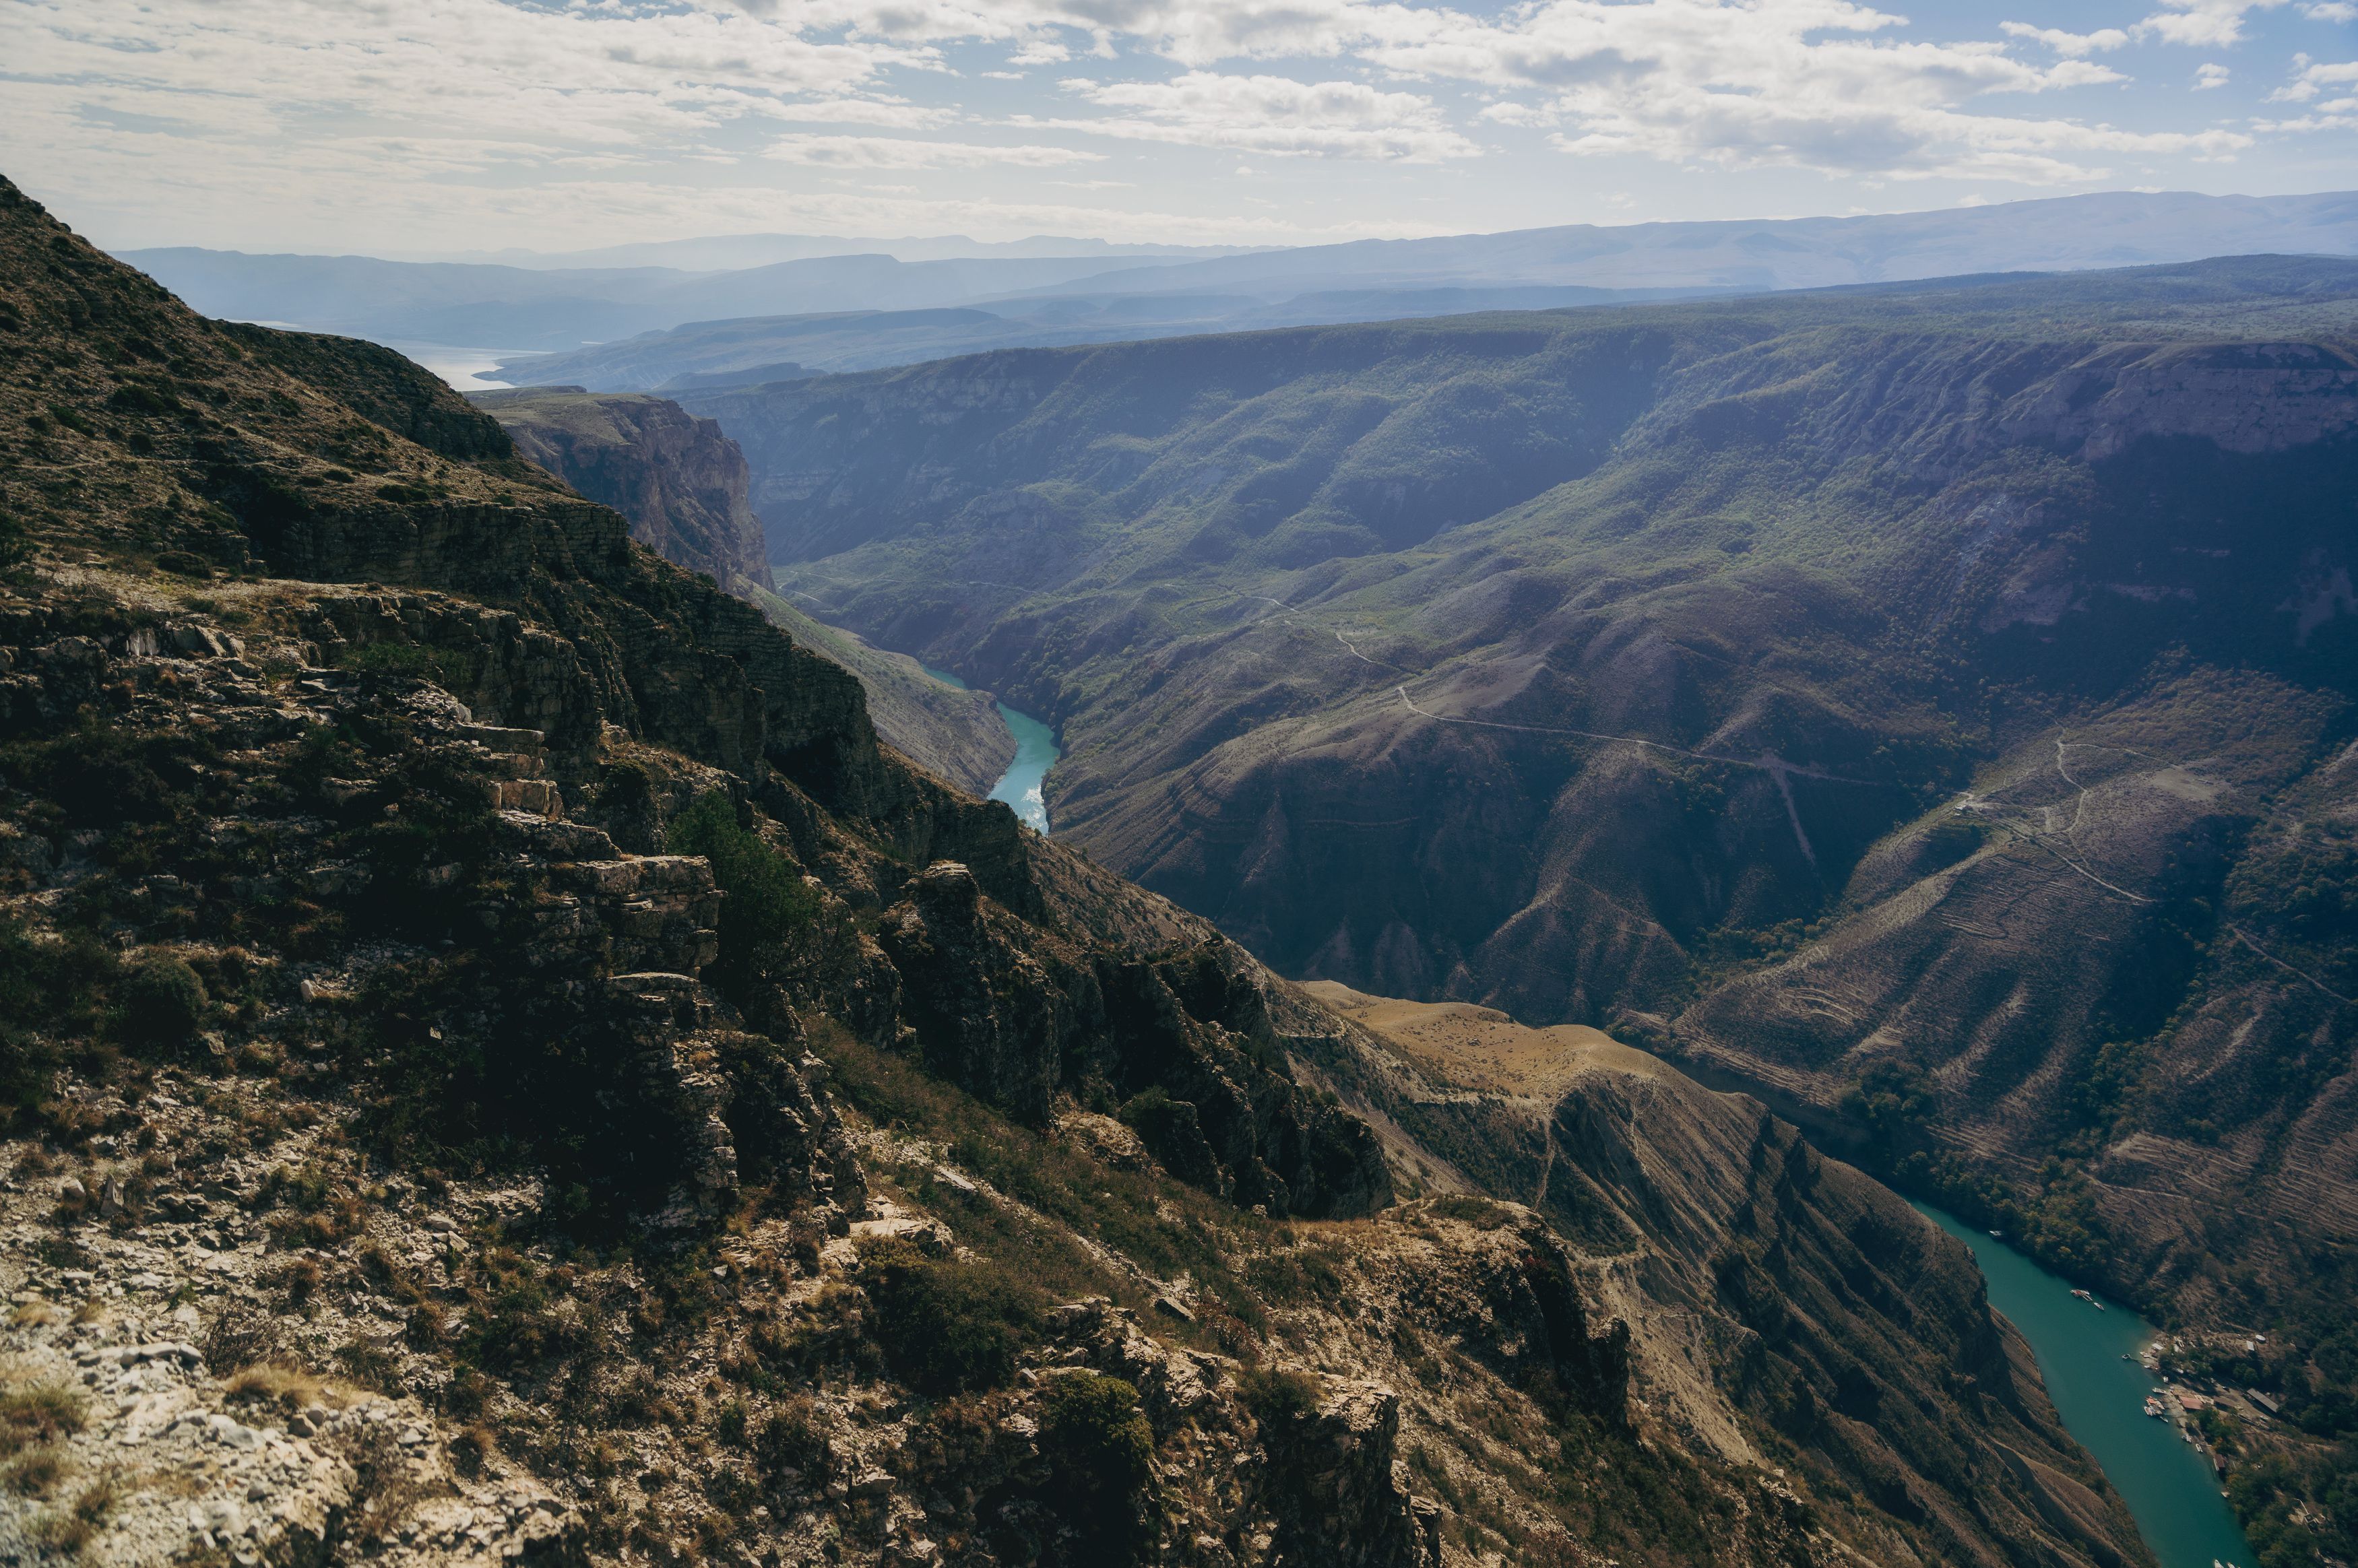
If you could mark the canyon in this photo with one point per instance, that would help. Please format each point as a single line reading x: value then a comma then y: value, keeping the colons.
x: 1925, y: 708
x: 502, y: 1063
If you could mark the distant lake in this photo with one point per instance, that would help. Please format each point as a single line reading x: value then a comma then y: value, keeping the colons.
x: 463, y: 368
x: 2169, y: 1487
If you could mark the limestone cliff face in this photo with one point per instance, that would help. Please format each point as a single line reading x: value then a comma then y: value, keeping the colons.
x: 680, y: 481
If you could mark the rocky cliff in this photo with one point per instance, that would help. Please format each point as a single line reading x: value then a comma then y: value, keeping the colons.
x: 1784, y: 1308
x: 680, y: 481
x: 501, y: 1064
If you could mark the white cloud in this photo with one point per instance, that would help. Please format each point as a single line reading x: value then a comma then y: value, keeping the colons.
x: 2076, y: 46
x: 1805, y: 84
x: 2331, y: 11
x: 2210, y: 74
x: 2311, y: 78
x: 2330, y: 89
x: 1274, y: 115
x: 896, y: 113
x: 335, y: 120
x: 896, y: 152
x: 2205, y: 24
x: 1510, y: 113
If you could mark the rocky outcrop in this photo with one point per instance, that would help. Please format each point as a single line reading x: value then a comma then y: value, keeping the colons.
x: 1332, y: 1476
x: 680, y: 481
x: 1184, y: 1043
x: 1718, y: 1276
x: 952, y: 733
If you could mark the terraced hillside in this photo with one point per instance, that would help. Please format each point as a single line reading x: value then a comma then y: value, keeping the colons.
x: 1928, y: 706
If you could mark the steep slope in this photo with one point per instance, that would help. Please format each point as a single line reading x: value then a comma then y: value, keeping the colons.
x: 680, y: 481
x: 501, y: 1063
x: 1631, y: 668
x: 1746, y: 1263
x: 952, y: 733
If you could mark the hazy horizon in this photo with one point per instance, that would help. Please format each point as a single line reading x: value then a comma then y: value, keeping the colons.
x: 466, y: 125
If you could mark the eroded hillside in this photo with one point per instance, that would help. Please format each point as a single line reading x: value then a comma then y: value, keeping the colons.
x: 502, y: 1064
x: 1926, y: 706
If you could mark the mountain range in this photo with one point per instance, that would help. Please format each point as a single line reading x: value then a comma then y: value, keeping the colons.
x: 769, y: 321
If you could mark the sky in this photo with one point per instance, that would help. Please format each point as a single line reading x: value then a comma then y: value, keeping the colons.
x: 417, y: 128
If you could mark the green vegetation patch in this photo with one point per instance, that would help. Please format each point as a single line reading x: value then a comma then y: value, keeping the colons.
x: 948, y: 1327
x: 768, y: 905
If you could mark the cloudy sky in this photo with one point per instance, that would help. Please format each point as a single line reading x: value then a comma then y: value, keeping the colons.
x: 410, y: 126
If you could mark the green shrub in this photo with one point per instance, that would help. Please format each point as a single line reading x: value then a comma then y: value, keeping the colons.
x: 768, y: 903
x: 1101, y: 1456
x: 159, y: 1001
x: 791, y: 1440
x: 406, y: 661
x: 729, y: 1425
x: 1278, y: 1398
x: 947, y: 1327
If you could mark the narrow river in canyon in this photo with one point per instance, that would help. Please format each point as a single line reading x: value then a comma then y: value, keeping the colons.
x: 2089, y: 1359
x: 1024, y: 784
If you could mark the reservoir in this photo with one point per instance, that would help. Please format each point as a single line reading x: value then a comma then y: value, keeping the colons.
x: 2168, y: 1485
x: 1024, y: 784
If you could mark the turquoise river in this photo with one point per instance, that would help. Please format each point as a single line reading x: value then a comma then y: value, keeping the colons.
x: 1024, y: 784
x: 2089, y: 1361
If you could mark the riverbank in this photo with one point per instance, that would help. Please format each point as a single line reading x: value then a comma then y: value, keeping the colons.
x: 2089, y: 1352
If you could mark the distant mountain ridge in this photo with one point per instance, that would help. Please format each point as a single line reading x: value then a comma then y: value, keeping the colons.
x: 522, y: 308
x: 2110, y: 229
x: 723, y: 252
x: 1095, y: 295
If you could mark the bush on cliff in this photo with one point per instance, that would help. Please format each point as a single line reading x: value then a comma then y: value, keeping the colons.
x: 1100, y: 1454
x: 160, y: 999
x: 947, y: 1327
x: 768, y: 903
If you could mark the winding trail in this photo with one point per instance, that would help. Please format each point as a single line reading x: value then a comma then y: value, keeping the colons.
x: 2241, y: 936
x: 1768, y: 763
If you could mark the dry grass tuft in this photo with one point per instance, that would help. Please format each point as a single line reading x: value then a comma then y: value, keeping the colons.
x: 289, y: 1388
x: 34, y: 1472
x: 41, y: 1413
x: 69, y: 1530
